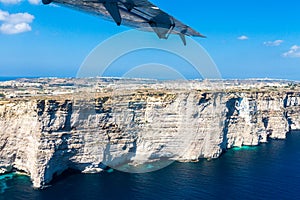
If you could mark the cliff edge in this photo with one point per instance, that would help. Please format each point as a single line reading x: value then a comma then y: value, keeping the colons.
x: 60, y: 128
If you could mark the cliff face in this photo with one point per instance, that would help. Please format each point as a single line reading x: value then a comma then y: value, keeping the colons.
x: 45, y: 136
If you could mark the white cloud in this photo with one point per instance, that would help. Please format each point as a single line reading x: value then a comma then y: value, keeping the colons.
x: 273, y: 43
x: 15, y: 28
x: 35, y: 2
x: 294, y: 52
x: 3, y: 15
x: 10, y: 1
x: 243, y: 37
x: 15, y: 23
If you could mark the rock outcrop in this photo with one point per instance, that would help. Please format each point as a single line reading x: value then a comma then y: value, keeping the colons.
x: 44, y: 136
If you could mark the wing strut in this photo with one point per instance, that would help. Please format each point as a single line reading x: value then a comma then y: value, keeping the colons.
x: 113, y: 9
x: 182, y: 37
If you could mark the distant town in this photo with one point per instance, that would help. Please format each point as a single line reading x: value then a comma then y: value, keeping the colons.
x: 39, y: 87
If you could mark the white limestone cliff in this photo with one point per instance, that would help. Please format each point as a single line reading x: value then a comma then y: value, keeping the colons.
x: 45, y: 136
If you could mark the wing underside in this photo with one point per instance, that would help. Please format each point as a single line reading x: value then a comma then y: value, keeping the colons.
x: 134, y: 13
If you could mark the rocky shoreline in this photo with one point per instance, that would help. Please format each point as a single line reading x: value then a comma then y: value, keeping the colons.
x: 51, y: 125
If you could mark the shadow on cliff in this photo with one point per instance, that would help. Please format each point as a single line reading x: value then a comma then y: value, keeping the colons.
x: 60, y: 164
x: 230, y: 105
x: 62, y: 176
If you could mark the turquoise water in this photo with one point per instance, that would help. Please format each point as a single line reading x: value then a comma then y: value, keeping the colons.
x: 269, y: 171
x: 249, y: 148
x: 3, y: 179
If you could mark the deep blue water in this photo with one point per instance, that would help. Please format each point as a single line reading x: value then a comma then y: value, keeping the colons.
x: 270, y: 171
x: 2, y: 78
x: 8, y: 78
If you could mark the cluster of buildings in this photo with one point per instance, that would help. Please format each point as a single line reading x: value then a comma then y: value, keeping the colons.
x: 21, y: 88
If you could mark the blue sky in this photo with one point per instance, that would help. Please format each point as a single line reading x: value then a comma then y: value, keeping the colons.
x: 246, y: 39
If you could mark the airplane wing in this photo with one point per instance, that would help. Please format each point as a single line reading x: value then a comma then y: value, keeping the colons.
x: 133, y: 13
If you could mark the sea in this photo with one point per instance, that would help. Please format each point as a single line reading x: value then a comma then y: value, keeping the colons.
x: 267, y: 171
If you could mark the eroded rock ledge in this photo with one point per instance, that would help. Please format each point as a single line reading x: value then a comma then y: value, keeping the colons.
x: 46, y: 134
